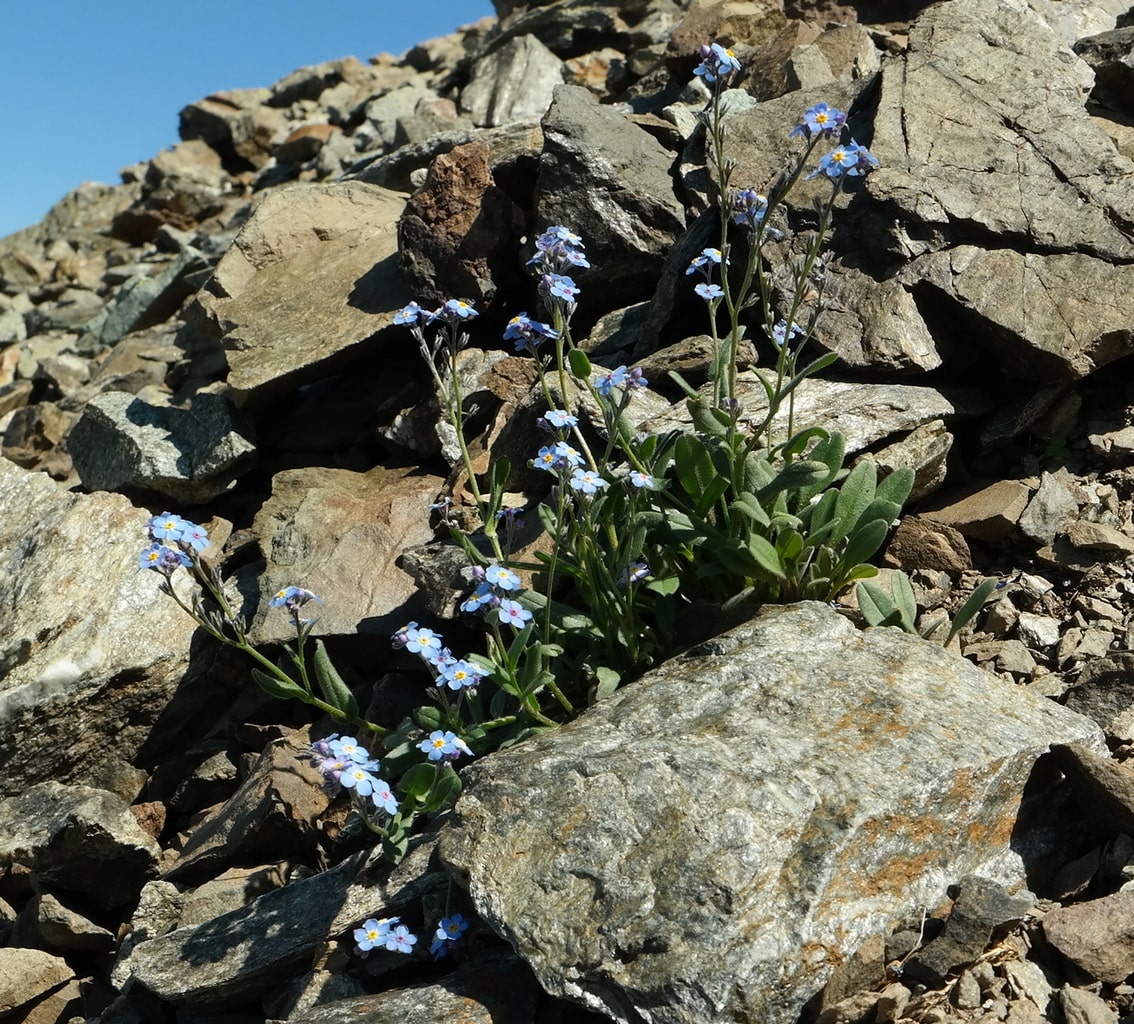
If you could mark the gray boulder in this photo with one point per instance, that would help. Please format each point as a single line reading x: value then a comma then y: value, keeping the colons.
x: 706, y: 844
x: 609, y: 181
x: 311, y: 276
x: 78, y: 839
x: 513, y: 83
x: 89, y: 655
x: 123, y: 443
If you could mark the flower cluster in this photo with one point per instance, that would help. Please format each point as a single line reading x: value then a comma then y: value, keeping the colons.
x: 528, y: 334
x: 345, y: 764
x: 749, y: 208
x: 819, y: 120
x: 705, y: 263
x: 450, y: 672
x: 454, y: 311
x: 390, y: 934
x: 851, y: 160
x: 558, y: 250
x: 620, y: 378
x: 386, y: 933
x: 716, y: 63
x: 172, y: 541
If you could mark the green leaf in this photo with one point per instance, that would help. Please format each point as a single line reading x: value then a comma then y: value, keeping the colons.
x: 766, y: 555
x: 864, y: 542
x: 335, y: 691
x: 607, y: 681
x: 793, y: 477
x: 665, y: 586
x: 855, y: 495
x: 969, y: 609
x: 418, y: 781
x: 706, y: 419
x: 695, y: 469
x: 428, y: 717
x: 736, y: 559
x: 446, y: 789
x: 905, y: 600
x: 279, y: 688
x: 547, y: 518
x: 876, y: 606
x: 580, y: 365
x: 749, y: 507
x: 757, y: 472
x: 897, y: 486
x: 789, y: 544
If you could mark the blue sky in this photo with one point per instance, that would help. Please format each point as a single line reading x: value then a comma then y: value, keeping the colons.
x: 89, y: 88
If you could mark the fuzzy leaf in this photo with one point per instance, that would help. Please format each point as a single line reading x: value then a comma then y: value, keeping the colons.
x: 335, y: 691
x: 277, y: 687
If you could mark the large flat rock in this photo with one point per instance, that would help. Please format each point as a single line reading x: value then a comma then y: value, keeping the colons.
x: 90, y: 652
x: 710, y: 842
x: 311, y: 276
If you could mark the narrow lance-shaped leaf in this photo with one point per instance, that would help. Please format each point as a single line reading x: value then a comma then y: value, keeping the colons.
x: 335, y: 691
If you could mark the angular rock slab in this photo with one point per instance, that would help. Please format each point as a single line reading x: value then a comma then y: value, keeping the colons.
x: 192, y: 455
x: 710, y: 842
x: 90, y: 652
x: 339, y: 534
x: 312, y: 275
x: 984, y: 138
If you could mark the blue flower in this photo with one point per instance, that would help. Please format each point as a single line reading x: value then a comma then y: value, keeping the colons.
x: 162, y: 558
x: 851, y: 160
x: 443, y: 745
x: 716, y: 62
x: 513, y: 613
x: 607, y: 382
x: 780, y: 333
x: 482, y: 596
x: 501, y: 577
x: 820, y: 120
x: 459, y: 309
x: 561, y: 287
x: 634, y: 573
x: 559, y: 418
x: 424, y: 642
x: 373, y: 933
x: 292, y: 598
x: 400, y: 940
x: 399, y: 639
x: 167, y: 526
x: 409, y: 314
x: 383, y: 798
x: 709, y: 292
x: 194, y: 536
x: 358, y: 778
x: 448, y: 934
x: 643, y: 481
x: 708, y: 259
x: 527, y: 333
x: 559, y: 234
x: 587, y: 481
x: 568, y: 455
x: 348, y: 747
x: 462, y: 675
x: 749, y: 208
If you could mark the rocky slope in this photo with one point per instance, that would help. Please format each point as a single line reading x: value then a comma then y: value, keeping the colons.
x: 860, y: 826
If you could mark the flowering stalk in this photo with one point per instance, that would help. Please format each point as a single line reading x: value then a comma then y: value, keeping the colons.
x: 177, y: 543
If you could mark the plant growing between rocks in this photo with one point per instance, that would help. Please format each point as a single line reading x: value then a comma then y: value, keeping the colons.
x: 746, y: 508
